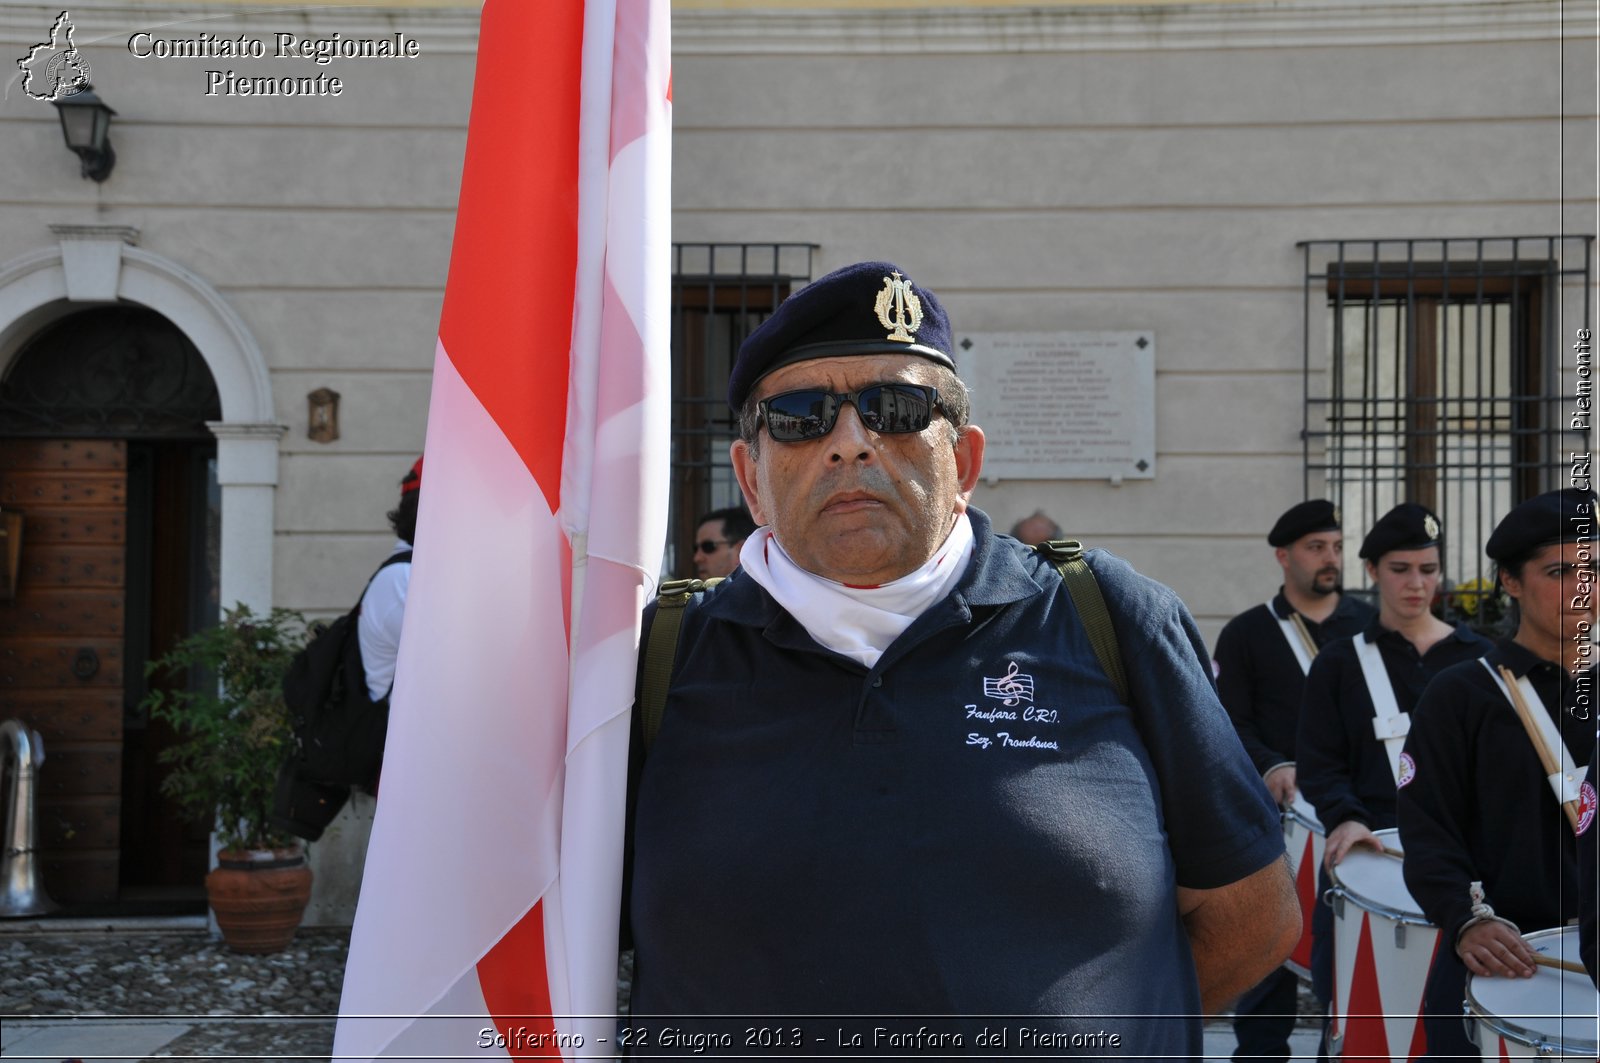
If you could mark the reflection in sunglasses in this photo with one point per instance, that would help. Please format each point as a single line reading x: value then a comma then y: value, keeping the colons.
x: 810, y: 413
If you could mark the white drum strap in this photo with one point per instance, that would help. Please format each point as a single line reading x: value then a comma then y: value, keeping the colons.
x: 1388, y: 722
x: 1564, y: 783
x: 1291, y: 635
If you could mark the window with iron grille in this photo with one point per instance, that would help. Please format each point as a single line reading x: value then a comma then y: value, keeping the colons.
x: 720, y: 293
x: 1446, y: 385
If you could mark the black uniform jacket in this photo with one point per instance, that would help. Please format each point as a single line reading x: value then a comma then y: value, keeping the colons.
x: 1341, y: 766
x: 1259, y: 678
x: 1478, y: 807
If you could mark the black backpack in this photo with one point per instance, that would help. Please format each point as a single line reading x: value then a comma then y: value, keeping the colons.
x: 338, y: 729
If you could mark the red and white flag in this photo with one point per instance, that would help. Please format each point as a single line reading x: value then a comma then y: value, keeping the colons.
x: 489, y: 903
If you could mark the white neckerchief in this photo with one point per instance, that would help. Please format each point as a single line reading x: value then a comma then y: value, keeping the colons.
x: 858, y: 622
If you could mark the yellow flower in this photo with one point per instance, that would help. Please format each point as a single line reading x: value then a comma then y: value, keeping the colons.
x: 1467, y: 596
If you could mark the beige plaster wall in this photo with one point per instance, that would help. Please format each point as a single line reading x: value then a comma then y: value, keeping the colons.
x: 1048, y: 166
x: 1085, y: 167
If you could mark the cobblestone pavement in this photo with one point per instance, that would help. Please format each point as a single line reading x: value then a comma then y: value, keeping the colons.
x: 200, y: 1000
x: 276, y: 1007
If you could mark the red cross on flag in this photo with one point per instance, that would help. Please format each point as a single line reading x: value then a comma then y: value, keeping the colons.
x: 489, y: 901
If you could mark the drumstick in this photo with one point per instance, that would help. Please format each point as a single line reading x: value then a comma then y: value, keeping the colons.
x: 1561, y: 965
x: 1305, y: 635
x: 1397, y: 854
x: 1546, y: 757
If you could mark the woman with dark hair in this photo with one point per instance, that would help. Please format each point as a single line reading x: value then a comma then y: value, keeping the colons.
x: 1490, y: 843
x: 1358, y: 697
x: 1359, y: 689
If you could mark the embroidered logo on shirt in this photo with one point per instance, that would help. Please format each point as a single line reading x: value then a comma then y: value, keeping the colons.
x: 1408, y: 771
x: 1012, y: 688
x: 1587, y: 802
x: 1007, y: 693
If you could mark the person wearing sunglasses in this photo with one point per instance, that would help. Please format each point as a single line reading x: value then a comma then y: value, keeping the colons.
x: 717, y: 540
x: 892, y: 780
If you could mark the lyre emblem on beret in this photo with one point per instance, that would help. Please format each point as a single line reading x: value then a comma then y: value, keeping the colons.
x: 1430, y: 527
x: 1337, y: 519
x: 898, y: 308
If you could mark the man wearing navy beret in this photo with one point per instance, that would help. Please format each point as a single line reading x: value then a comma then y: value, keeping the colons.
x: 891, y: 781
x: 1262, y: 657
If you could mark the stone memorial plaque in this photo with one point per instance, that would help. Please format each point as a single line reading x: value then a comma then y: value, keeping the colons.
x: 1063, y: 405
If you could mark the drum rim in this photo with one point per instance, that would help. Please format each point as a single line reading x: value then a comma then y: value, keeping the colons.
x: 1367, y: 904
x: 1310, y: 823
x: 1530, y: 1038
x: 1292, y: 815
x: 1521, y: 1034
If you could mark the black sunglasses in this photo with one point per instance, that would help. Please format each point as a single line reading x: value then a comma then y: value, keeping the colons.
x: 811, y: 413
x: 709, y: 546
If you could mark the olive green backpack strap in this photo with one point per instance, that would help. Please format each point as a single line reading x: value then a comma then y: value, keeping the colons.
x: 1067, y: 556
x: 661, y: 649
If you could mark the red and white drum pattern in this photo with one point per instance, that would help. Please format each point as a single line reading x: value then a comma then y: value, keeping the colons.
x: 1305, y: 841
x: 1382, y: 949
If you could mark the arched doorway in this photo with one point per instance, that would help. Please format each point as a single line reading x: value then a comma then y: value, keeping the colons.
x: 105, y: 449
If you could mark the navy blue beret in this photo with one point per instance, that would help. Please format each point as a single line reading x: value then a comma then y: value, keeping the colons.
x: 1554, y: 516
x: 867, y: 308
x: 1302, y: 519
x: 1407, y: 526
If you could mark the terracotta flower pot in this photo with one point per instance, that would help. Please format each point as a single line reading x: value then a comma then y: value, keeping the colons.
x: 259, y: 897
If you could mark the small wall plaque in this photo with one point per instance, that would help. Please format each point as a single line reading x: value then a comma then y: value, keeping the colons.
x: 1063, y: 405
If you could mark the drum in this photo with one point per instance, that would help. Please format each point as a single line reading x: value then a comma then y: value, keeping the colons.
x: 1305, y: 840
x: 1382, y: 949
x: 1552, y: 1014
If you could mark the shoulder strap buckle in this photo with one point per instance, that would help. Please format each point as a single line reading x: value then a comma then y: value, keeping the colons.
x: 675, y: 593
x: 1058, y: 551
x: 661, y: 648
x: 1067, y: 557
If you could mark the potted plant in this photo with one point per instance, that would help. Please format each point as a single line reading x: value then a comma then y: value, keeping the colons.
x: 232, y: 734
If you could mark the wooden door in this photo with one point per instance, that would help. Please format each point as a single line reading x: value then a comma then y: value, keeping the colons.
x: 61, y: 649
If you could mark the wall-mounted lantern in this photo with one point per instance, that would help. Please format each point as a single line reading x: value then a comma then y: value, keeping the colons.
x: 322, y: 419
x: 86, y: 125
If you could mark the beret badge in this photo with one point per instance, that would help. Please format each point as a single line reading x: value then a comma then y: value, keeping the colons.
x: 898, y: 308
x: 1430, y: 526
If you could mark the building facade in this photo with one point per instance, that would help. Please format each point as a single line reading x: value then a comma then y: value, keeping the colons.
x: 1356, y: 238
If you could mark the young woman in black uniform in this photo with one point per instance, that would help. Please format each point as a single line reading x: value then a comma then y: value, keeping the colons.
x: 1490, y: 850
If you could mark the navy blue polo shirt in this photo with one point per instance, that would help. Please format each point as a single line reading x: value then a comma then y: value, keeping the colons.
x: 975, y: 828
